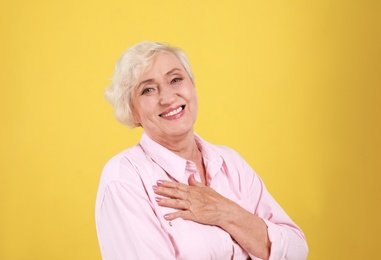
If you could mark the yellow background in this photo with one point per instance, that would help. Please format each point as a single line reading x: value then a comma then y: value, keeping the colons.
x: 294, y: 86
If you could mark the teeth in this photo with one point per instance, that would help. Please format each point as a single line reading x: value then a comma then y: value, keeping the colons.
x: 174, y: 112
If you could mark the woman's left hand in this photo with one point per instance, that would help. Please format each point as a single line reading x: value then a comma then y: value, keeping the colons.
x: 195, y: 202
x: 202, y: 204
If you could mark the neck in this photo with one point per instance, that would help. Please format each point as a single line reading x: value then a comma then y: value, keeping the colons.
x: 185, y: 147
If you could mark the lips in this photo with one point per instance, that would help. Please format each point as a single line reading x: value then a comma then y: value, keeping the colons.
x: 173, y: 112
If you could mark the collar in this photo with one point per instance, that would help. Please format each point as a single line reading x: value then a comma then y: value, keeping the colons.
x: 175, y: 165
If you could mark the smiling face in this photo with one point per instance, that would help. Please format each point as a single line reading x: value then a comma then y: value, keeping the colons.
x: 165, y: 101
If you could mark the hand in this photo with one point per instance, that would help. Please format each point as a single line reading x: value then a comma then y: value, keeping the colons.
x: 202, y: 204
x: 195, y: 202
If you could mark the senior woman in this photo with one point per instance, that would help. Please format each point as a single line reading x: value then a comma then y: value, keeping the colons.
x: 174, y: 195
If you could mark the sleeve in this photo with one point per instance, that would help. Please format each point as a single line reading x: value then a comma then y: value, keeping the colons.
x: 287, y: 239
x: 126, y: 223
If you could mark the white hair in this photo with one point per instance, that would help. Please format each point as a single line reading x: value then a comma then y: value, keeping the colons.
x: 128, y: 71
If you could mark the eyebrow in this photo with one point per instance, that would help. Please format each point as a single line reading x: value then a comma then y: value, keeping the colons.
x: 152, y: 80
x: 172, y: 71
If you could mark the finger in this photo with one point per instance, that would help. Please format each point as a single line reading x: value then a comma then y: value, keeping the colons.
x: 172, y: 184
x: 192, y: 181
x: 170, y: 192
x: 173, y: 203
x: 179, y: 214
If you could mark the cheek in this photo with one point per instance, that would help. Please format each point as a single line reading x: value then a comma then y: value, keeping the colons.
x: 135, y: 116
x: 194, y: 96
x: 194, y: 104
x: 191, y: 93
x: 146, y: 109
x: 137, y: 111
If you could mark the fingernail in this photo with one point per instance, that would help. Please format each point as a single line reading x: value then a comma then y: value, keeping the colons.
x: 154, y: 187
x: 159, y: 182
x: 157, y: 199
x: 166, y: 216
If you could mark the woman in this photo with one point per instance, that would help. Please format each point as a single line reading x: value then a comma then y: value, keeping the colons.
x: 173, y: 195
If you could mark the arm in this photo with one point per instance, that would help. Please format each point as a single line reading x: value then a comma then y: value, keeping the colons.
x: 202, y: 204
x: 127, y: 226
x: 287, y: 239
x: 267, y: 234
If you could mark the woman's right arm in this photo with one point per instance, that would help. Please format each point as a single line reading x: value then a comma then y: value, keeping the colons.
x: 127, y: 226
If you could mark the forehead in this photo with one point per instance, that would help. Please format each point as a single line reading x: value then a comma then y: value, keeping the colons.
x: 160, y: 65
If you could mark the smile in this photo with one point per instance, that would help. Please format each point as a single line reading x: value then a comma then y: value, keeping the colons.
x: 173, y: 112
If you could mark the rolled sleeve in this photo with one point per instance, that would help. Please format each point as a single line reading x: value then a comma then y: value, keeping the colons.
x: 287, y: 239
x: 286, y: 242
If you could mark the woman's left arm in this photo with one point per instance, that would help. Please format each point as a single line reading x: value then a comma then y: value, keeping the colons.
x: 263, y: 235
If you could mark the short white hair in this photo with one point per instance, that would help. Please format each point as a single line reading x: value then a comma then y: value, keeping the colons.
x: 128, y: 71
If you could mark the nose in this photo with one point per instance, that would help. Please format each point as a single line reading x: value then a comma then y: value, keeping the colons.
x: 167, y: 96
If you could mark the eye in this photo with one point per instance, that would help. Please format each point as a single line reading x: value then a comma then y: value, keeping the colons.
x: 147, y: 90
x: 176, y: 80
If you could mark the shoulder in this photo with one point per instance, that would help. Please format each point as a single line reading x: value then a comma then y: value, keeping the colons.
x: 232, y: 160
x: 228, y: 154
x: 226, y: 151
x: 121, y: 166
x: 221, y: 150
x: 240, y: 173
x: 120, y: 173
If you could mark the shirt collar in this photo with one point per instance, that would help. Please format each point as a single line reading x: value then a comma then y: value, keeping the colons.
x: 175, y: 165
x: 170, y: 162
x: 212, y: 159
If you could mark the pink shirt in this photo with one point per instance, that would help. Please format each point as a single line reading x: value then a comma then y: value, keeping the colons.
x: 130, y: 224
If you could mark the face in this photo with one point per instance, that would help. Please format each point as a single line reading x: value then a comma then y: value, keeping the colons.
x: 165, y: 101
